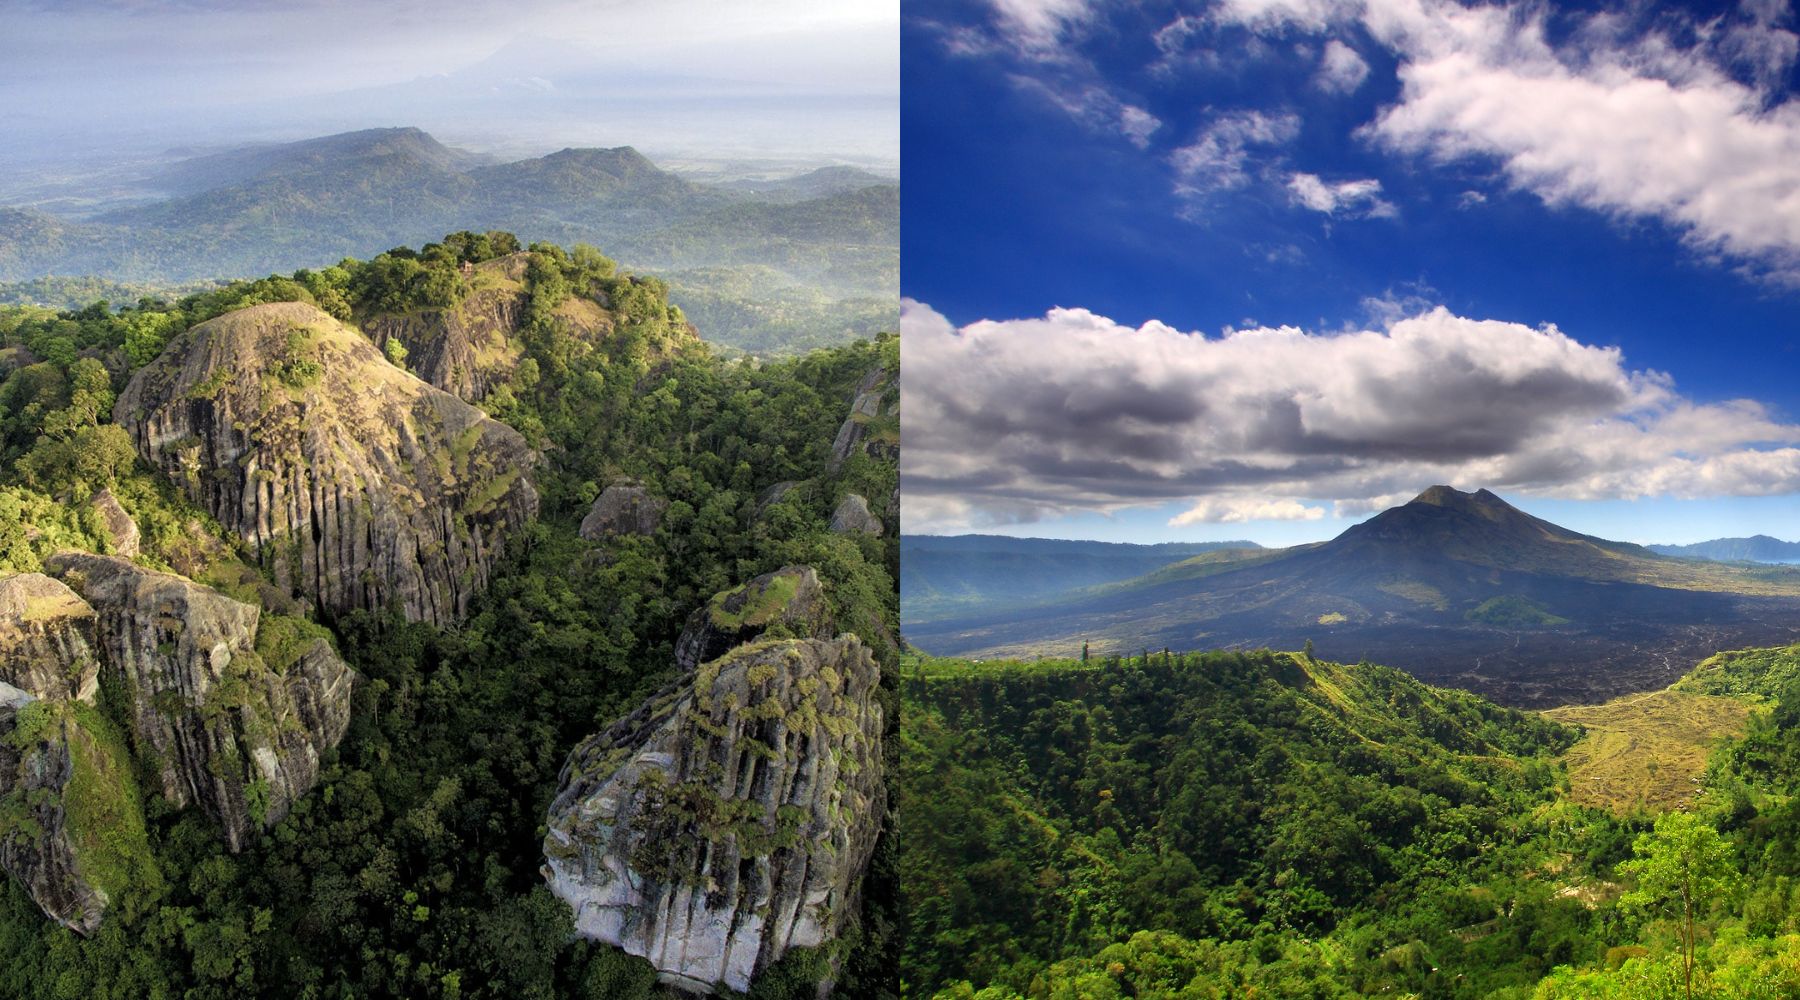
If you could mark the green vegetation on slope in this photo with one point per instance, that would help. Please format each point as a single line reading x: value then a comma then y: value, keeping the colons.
x: 1512, y: 611
x: 1236, y: 825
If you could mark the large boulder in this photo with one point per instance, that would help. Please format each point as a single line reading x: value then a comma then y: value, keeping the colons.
x: 729, y: 819
x: 788, y: 601
x: 626, y: 507
x: 47, y: 639
x: 55, y: 750
x: 231, y: 711
x: 357, y: 484
x: 852, y: 517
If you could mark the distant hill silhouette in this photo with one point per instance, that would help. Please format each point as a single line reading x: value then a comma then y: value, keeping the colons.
x: 1756, y: 548
x: 945, y: 572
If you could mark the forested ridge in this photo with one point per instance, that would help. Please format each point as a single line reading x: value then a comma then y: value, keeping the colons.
x: 1271, y: 824
x: 813, y: 263
x: 412, y: 869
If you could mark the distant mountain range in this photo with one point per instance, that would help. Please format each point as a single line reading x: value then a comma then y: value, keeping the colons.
x: 758, y: 265
x: 1756, y: 548
x: 942, y: 573
x: 1459, y: 588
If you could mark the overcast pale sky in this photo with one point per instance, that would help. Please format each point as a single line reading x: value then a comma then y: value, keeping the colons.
x: 76, y: 71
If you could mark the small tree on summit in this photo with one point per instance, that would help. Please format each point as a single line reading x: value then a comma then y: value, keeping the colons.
x: 1683, y: 868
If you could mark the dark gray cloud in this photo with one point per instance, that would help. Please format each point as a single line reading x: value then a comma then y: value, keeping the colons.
x: 1006, y: 421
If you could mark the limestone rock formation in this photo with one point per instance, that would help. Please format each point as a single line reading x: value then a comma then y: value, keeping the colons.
x: 47, y: 639
x: 627, y: 507
x: 789, y: 600
x: 359, y: 485
x: 37, y: 846
x: 232, y: 723
x: 121, y: 530
x: 471, y: 347
x: 874, y: 422
x: 852, y: 517
x: 729, y: 819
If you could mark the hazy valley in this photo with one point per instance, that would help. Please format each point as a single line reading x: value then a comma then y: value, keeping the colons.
x: 761, y: 264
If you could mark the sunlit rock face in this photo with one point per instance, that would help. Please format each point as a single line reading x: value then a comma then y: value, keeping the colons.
x: 229, y: 723
x: 729, y: 819
x: 357, y: 484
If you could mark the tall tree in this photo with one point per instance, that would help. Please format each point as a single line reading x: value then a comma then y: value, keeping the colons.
x: 1683, y: 868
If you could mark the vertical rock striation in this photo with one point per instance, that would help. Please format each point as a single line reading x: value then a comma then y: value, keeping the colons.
x: 359, y: 485
x: 229, y: 723
x: 731, y: 818
x: 37, y: 846
x: 47, y: 639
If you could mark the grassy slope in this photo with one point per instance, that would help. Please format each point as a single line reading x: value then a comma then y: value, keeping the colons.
x: 1647, y: 750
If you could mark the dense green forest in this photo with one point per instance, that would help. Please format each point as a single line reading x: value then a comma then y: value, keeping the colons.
x: 1271, y: 824
x: 412, y: 869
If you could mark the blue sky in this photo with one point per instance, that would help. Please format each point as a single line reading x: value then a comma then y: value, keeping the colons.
x: 1584, y: 224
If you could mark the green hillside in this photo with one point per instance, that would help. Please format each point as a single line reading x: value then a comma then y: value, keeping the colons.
x: 1269, y: 824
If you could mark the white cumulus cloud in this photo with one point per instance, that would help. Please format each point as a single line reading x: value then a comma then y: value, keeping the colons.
x: 1236, y: 510
x: 1341, y: 69
x: 1219, y: 157
x: 1013, y: 420
x: 1633, y: 124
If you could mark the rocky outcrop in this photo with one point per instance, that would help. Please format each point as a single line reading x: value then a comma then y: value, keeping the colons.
x: 873, y: 425
x: 35, y: 847
x: 47, y: 639
x: 37, y: 844
x: 788, y: 603
x: 627, y: 507
x: 49, y: 677
x: 729, y: 819
x: 473, y: 346
x: 230, y: 723
x: 121, y: 531
x: 852, y: 517
x: 357, y: 484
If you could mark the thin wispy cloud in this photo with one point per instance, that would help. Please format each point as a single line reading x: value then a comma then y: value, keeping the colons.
x: 1222, y: 155
x: 1348, y: 199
